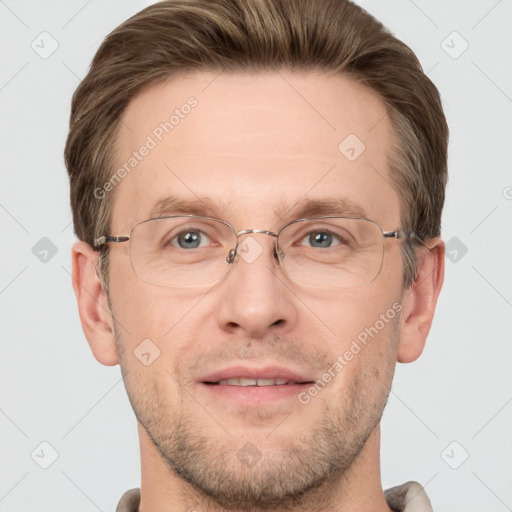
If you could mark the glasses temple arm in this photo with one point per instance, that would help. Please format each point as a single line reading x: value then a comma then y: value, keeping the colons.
x: 107, y: 239
x: 410, y: 236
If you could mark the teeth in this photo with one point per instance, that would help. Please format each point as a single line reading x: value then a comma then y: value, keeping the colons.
x: 232, y: 382
x: 252, y: 382
x: 267, y: 382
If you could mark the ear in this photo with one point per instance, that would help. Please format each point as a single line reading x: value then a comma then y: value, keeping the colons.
x: 419, y: 301
x: 95, y: 314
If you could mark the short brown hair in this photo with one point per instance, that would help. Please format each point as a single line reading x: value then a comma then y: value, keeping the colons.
x: 334, y: 36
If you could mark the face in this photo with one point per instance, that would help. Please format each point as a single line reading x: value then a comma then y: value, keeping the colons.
x: 253, y: 150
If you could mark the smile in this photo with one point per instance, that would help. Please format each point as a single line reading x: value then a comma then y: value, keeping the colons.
x: 254, y: 382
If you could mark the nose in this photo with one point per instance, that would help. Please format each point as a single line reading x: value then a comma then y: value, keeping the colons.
x: 256, y: 298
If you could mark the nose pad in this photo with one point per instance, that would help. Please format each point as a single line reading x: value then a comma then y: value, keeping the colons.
x: 231, y: 256
x: 278, y: 254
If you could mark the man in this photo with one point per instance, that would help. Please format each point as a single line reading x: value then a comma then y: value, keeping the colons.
x: 257, y: 186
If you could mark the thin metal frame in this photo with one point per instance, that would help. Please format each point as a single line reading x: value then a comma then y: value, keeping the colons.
x: 277, y: 253
x: 397, y: 234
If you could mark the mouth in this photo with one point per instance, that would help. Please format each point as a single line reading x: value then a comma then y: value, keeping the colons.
x: 256, y: 386
x: 261, y: 382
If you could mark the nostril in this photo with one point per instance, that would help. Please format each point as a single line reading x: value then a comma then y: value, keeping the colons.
x: 278, y: 322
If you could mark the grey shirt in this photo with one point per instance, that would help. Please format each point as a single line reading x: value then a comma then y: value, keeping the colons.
x: 408, y: 497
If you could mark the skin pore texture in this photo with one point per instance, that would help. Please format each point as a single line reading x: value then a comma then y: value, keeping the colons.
x: 255, y: 146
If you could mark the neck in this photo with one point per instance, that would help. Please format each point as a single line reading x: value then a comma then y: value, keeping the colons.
x: 358, y: 488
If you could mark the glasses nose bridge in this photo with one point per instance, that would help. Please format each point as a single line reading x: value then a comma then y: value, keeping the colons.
x: 260, y: 231
x: 231, y: 256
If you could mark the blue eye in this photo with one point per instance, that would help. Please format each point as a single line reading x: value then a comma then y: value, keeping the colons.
x: 321, y: 239
x: 189, y: 239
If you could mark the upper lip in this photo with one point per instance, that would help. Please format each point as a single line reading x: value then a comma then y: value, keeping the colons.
x: 247, y: 372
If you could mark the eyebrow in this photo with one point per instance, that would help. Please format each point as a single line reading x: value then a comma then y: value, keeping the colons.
x: 322, y: 208
x: 207, y: 207
x: 174, y: 205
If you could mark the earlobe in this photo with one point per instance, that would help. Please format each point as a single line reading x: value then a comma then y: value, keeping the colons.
x: 420, y: 301
x: 95, y: 314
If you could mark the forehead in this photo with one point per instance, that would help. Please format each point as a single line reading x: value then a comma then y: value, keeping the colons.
x: 253, y: 146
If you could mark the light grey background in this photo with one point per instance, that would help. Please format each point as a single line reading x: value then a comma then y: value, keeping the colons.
x: 52, y: 389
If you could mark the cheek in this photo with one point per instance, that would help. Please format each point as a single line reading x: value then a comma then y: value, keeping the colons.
x: 349, y: 314
x: 145, y: 311
x: 362, y: 333
x: 364, y: 364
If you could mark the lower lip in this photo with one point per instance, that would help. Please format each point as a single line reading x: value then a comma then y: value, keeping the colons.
x: 250, y: 395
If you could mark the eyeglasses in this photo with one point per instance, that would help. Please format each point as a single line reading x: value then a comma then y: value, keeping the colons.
x: 187, y: 251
